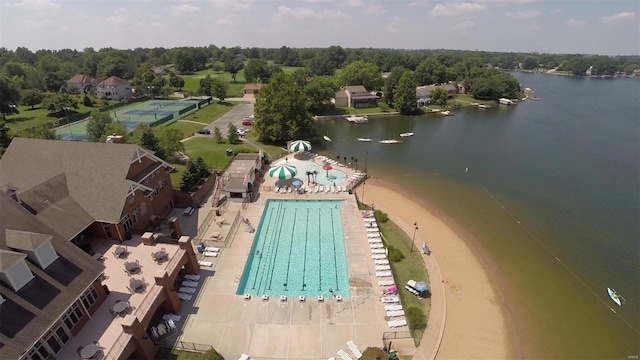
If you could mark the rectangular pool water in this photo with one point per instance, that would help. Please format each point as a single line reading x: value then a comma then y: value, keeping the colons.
x: 298, y: 249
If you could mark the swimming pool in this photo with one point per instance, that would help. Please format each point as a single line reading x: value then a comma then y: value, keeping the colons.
x: 298, y: 249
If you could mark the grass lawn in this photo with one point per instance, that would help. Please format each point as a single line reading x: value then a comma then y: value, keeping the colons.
x: 192, y: 81
x: 28, y: 118
x: 169, y: 354
x: 272, y: 151
x: 410, y: 268
x: 348, y: 110
x: 467, y: 100
x: 202, y: 117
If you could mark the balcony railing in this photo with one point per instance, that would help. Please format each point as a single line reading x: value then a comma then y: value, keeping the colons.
x: 118, y: 347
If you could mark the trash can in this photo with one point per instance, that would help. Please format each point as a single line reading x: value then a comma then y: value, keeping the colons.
x: 200, y: 248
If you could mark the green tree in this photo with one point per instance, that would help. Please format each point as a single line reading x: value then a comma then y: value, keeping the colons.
x: 233, y: 66
x: 42, y: 131
x: 362, y: 73
x: 201, y: 167
x: 149, y: 141
x: 232, y: 134
x: 176, y: 81
x: 97, y: 125
x: 170, y: 141
x: 302, y: 76
x: 206, y: 85
x: 255, y: 70
x: 9, y: 95
x: 5, y: 134
x: 31, y: 97
x: 217, y: 134
x: 219, y: 88
x: 320, y: 91
x: 114, y: 128
x: 406, y: 101
x: 58, y: 103
x: 439, y: 96
x: 144, y: 76
x: 189, y: 177
x: 184, y: 62
x: 390, y: 83
x: 530, y: 63
x: 430, y: 71
x: 281, y: 111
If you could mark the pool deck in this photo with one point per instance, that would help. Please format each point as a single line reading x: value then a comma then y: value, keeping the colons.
x: 286, y: 330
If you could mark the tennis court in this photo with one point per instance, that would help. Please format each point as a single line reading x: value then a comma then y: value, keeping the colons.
x: 151, y: 112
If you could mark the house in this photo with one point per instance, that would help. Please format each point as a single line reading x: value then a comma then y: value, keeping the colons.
x: 252, y: 89
x: 60, y: 278
x: 114, y: 88
x: 355, y: 96
x: 159, y: 70
x: 423, y: 93
x: 242, y: 174
x: 83, y: 83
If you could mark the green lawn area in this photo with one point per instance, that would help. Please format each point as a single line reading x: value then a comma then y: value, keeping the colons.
x: 348, y: 110
x: 203, y: 117
x: 272, y: 151
x: 467, y: 100
x: 28, y: 118
x: 192, y: 81
x: 410, y: 268
x: 168, y: 354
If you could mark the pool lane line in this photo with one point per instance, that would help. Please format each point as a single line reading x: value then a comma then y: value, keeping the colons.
x: 277, y: 247
x: 319, y: 252
x: 304, y: 264
x: 335, y: 258
x: 295, y: 214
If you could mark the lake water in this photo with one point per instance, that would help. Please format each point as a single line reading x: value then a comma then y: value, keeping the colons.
x: 551, y: 196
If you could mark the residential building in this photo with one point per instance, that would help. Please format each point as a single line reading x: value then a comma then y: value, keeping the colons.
x: 423, y: 93
x: 83, y: 83
x: 252, y: 89
x: 355, y: 96
x: 114, y: 88
x: 61, y: 277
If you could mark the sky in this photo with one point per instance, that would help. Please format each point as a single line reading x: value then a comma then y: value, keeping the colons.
x: 560, y: 26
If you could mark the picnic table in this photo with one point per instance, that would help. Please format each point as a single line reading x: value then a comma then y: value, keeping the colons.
x: 89, y: 351
x: 136, y: 284
x: 160, y: 255
x: 120, y: 307
x: 132, y: 267
x: 120, y: 251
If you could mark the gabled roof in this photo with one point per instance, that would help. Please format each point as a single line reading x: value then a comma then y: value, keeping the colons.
x: 114, y: 80
x: 25, y: 240
x: 95, y: 173
x: 356, y: 88
x: 9, y: 258
x: 81, y: 79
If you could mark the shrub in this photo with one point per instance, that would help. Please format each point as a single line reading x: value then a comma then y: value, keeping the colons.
x: 416, y: 318
x: 372, y: 353
x: 395, y: 255
x: 212, y: 354
x: 380, y: 216
x: 384, y: 107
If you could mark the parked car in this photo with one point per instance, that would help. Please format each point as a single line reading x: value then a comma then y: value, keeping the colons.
x: 247, y: 122
x: 241, y: 132
x: 204, y: 131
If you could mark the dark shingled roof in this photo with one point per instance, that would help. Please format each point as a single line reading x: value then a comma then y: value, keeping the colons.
x: 28, y: 163
x: 58, y: 286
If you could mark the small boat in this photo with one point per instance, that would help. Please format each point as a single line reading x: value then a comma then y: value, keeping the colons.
x: 390, y: 141
x: 446, y: 113
x: 365, y: 139
x: 407, y: 134
x: 358, y: 119
x: 613, y: 294
x: 483, y: 106
x: 326, y: 138
x: 505, y: 101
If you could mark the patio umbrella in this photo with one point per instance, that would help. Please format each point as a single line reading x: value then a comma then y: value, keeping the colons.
x: 327, y: 167
x: 283, y: 172
x: 421, y: 286
x: 299, y: 146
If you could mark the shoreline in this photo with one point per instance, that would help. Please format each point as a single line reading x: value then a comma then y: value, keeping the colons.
x: 478, y: 322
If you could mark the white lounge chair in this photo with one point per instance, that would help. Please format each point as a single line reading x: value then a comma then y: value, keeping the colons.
x: 244, y: 357
x: 288, y: 189
x: 397, y: 323
x: 277, y: 189
x: 354, y: 349
x: 382, y: 267
x: 377, y: 246
x: 372, y: 229
x: 378, y: 251
x: 192, y: 277
x: 369, y: 219
x: 212, y: 248
x: 205, y: 263
x: 395, y: 313
x: 381, y: 262
x: 383, y: 274
x: 373, y: 235
x: 378, y: 256
x: 172, y: 317
x: 187, y: 290
x: 184, y: 297
x: 375, y: 240
x: 327, y: 189
x: 188, y: 283
x: 390, y: 299
x: 321, y: 188
x: 210, y: 254
x: 393, y: 307
x: 386, y: 282
x: 343, y: 355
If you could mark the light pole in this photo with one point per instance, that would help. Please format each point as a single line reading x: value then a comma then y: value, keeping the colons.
x: 151, y: 90
x: 363, y: 184
x: 366, y: 155
x: 413, y: 241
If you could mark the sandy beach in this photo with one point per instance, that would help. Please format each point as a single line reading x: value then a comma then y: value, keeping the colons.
x: 476, y: 325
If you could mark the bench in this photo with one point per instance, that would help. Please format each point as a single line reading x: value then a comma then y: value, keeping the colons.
x: 188, y: 211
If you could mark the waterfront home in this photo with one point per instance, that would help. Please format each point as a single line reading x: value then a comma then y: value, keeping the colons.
x: 355, y: 96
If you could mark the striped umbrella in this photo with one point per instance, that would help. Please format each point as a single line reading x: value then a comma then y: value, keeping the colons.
x: 283, y: 172
x: 300, y: 146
